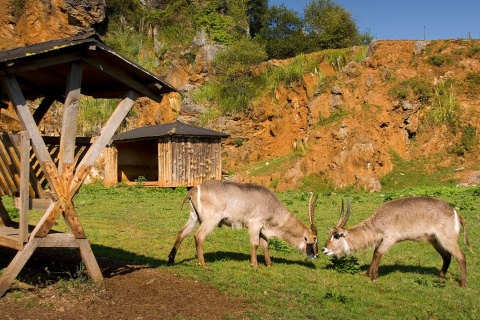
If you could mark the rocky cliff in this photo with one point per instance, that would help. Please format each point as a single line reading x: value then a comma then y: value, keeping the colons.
x: 341, y: 125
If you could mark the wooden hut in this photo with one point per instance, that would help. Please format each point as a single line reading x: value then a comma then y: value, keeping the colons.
x: 61, y: 70
x: 167, y: 155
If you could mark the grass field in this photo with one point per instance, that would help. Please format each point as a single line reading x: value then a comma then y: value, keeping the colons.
x: 140, y: 225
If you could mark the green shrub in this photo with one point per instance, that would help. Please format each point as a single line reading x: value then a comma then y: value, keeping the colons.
x: 293, y: 72
x: 473, y: 79
x: 94, y: 113
x: 418, y: 89
x: 337, y: 59
x: 336, y: 116
x: 437, y: 60
x: 445, y: 107
x: 235, y: 86
x: 468, y: 141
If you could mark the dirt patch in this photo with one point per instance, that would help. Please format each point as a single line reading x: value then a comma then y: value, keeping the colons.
x: 128, y: 292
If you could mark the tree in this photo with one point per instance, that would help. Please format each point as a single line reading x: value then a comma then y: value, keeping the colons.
x: 330, y: 26
x: 256, y: 11
x: 282, y: 33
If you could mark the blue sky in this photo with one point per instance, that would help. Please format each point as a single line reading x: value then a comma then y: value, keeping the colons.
x: 408, y: 19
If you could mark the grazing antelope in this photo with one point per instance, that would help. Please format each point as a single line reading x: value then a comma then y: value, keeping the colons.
x: 413, y: 218
x: 216, y: 203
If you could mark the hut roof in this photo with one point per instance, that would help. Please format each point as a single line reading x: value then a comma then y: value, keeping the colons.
x: 177, y: 129
x: 42, y: 69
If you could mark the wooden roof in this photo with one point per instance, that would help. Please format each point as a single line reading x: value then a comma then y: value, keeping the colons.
x: 177, y: 129
x: 42, y: 70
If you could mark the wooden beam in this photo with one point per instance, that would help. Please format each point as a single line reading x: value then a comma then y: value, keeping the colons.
x: 118, y: 74
x: 89, y: 260
x: 109, y: 129
x: 24, y: 182
x: 4, y: 216
x: 70, y: 115
x: 17, y: 264
x: 34, y: 182
x: 40, y: 63
x: 27, y: 121
x: 43, y: 108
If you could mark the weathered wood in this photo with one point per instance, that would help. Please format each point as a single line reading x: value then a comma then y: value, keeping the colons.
x: 73, y: 222
x: 9, y: 176
x: 111, y: 166
x: 12, y: 143
x: 41, y: 63
x: 109, y: 129
x: 70, y: 115
x: 24, y: 182
x: 17, y: 264
x: 26, y: 119
x: 59, y: 240
x: 4, y: 216
x: 35, y: 204
x: 119, y: 74
x: 43, y: 108
x: 89, y: 259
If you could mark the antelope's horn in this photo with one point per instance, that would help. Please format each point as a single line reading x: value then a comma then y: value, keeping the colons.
x: 311, y: 211
x: 343, y: 216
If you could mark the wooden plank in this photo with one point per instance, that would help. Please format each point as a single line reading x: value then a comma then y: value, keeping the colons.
x: 17, y: 264
x: 27, y: 121
x: 111, y: 166
x: 35, y: 204
x: 12, y: 179
x: 74, y: 223
x: 36, y: 187
x: 59, y: 240
x: 89, y: 260
x: 4, y: 216
x: 70, y: 115
x: 10, y: 242
x: 120, y: 75
x: 43, y: 108
x: 39, y: 63
x: 24, y: 182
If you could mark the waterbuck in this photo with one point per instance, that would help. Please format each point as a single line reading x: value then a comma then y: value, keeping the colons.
x: 412, y: 218
x: 217, y: 203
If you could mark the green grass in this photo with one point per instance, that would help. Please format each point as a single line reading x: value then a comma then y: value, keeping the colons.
x: 140, y: 225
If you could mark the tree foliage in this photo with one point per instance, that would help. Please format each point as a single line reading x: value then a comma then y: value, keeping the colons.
x: 330, y: 25
x: 326, y: 25
x: 235, y: 85
x: 282, y: 33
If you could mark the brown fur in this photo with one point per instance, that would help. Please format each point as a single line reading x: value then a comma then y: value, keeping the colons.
x: 413, y: 218
x: 218, y: 203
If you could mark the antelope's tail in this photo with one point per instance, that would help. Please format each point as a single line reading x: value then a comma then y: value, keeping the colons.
x: 465, y: 237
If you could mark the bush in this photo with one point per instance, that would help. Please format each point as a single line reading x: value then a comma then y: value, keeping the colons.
x: 445, y: 107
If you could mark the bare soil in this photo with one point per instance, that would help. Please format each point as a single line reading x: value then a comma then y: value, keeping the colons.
x: 46, y: 291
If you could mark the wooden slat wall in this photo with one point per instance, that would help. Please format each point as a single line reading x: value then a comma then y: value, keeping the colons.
x: 188, y: 161
x: 10, y: 164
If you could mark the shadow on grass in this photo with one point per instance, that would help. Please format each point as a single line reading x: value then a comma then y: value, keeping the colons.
x: 50, y: 265
x: 392, y: 268
x: 211, y: 257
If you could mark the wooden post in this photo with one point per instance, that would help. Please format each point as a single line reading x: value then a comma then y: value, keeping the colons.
x: 17, y: 264
x: 70, y: 115
x: 24, y: 182
x: 111, y: 166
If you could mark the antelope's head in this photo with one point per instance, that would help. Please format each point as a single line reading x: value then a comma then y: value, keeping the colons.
x: 311, y: 237
x: 336, y: 244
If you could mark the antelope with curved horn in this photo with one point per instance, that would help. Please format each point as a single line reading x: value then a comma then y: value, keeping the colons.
x: 216, y: 203
x: 413, y: 218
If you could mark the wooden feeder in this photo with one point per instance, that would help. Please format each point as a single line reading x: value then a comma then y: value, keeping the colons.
x: 63, y: 70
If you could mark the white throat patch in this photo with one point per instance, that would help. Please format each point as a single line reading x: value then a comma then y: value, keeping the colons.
x: 346, y: 247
